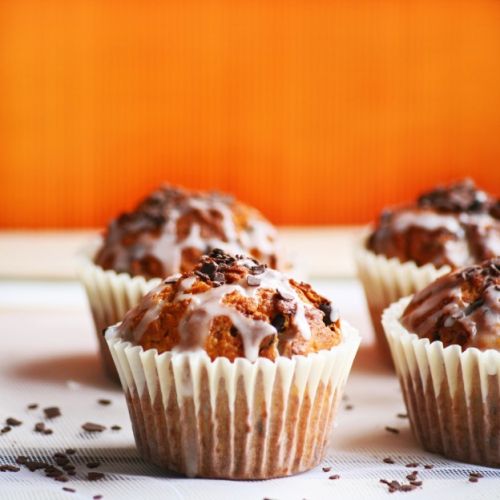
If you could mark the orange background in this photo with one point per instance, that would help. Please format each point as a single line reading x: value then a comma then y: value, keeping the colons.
x: 315, y: 111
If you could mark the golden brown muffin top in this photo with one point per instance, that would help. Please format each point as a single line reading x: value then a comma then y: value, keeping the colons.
x: 233, y: 307
x: 170, y: 229
x: 462, y: 307
x: 455, y: 225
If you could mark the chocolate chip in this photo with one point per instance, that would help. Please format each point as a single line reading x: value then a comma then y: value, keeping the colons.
x: 21, y: 459
x: 208, y: 268
x: 39, y: 427
x: 278, y: 322
x: 104, y: 402
x: 93, y: 465
x: 218, y: 278
x: 476, y: 474
x: 330, y: 314
x: 91, y: 427
x: 392, y: 429
x: 9, y: 468
x: 259, y: 269
x: 52, y: 412
x: 52, y: 471
x: 34, y: 465
x: 61, y: 460
x: 233, y: 331
x: 95, y: 476
x: 13, y: 422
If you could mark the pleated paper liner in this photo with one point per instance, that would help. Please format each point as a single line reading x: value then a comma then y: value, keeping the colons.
x: 238, y: 420
x: 387, y: 280
x: 110, y: 296
x: 452, y: 396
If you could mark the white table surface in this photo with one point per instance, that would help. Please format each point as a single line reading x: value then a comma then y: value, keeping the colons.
x: 48, y: 356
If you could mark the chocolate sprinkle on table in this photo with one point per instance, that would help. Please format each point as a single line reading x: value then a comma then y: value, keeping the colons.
x: 402, y: 415
x: 116, y: 428
x: 349, y: 407
x: 104, y: 402
x: 40, y: 427
x: 428, y: 466
x: 70, y: 490
x: 473, y: 479
x: 91, y: 427
x: 388, y: 460
x: 412, y: 465
x: 52, y: 412
x: 70, y: 451
x: 9, y: 468
x: 335, y: 476
x: 93, y: 465
x: 33, y: 406
x: 392, y: 429
x: 5, y: 429
x: 13, y: 422
x: 95, y: 476
x: 21, y: 459
x: 327, y: 469
x: 97, y: 497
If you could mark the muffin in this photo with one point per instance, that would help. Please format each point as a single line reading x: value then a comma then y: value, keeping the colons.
x: 232, y: 370
x: 412, y: 245
x: 445, y: 343
x: 166, y: 234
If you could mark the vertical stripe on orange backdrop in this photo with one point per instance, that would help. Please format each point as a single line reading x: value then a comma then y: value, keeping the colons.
x: 314, y: 111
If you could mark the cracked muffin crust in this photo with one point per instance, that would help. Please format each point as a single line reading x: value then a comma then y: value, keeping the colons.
x: 233, y: 307
x: 171, y: 228
x: 455, y: 225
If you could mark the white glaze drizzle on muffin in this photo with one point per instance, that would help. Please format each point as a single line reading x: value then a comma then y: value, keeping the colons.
x: 172, y: 228
x: 259, y: 303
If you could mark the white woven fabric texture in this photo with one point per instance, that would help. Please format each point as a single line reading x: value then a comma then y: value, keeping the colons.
x: 47, y: 356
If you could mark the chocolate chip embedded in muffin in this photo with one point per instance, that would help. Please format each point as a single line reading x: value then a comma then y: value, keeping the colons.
x: 461, y: 308
x: 172, y: 228
x: 219, y: 307
x: 454, y: 225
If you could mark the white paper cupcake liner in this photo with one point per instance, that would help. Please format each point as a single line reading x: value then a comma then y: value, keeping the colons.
x: 452, y: 397
x: 387, y: 280
x: 110, y: 296
x: 238, y: 420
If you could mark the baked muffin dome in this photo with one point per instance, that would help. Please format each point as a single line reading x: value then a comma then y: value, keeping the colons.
x: 233, y: 307
x: 456, y: 225
x: 171, y: 228
x: 462, y: 307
